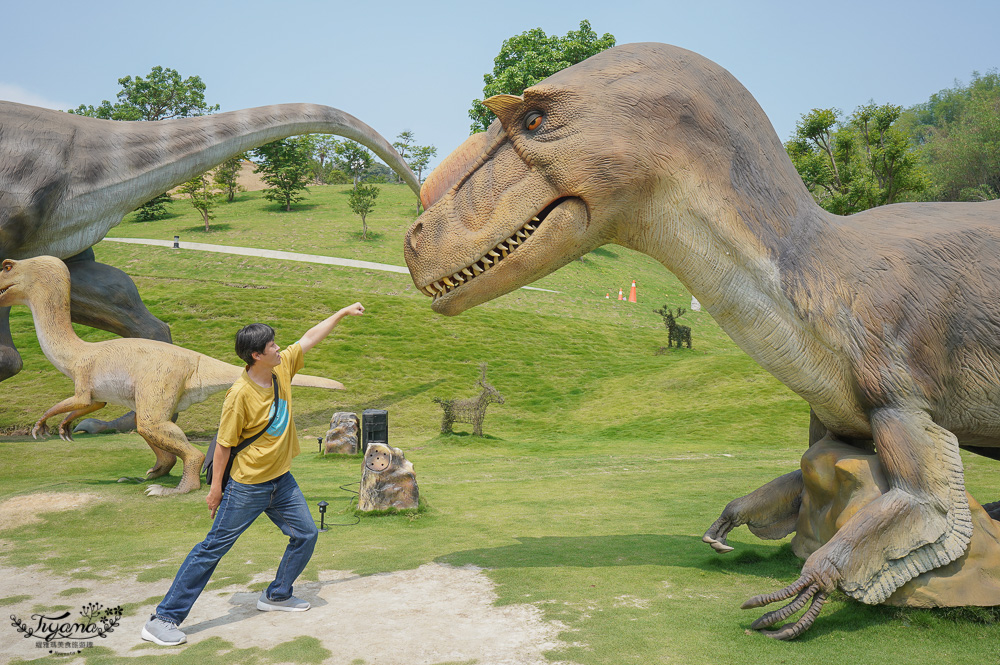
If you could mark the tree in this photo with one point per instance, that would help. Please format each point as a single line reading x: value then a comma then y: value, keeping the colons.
x: 284, y: 165
x: 353, y: 159
x: 226, y: 176
x: 161, y: 95
x: 362, y: 203
x: 403, y: 145
x: 526, y: 59
x: 856, y: 164
x: 421, y: 156
x: 202, y: 195
x: 155, y: 208
x: 960, y: 132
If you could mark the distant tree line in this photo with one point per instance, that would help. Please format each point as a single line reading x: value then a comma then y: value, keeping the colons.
x: 945, y: 149
x: 286, y: 166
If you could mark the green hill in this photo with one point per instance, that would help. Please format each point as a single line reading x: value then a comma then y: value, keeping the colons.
x: 587, y: 498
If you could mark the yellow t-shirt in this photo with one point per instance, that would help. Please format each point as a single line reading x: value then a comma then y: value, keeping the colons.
x: 246, y: 411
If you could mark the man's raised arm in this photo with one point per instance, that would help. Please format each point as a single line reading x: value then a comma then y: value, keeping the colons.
x: 318, y: 332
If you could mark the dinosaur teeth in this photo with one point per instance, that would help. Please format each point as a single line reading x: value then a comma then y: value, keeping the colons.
x: 446, y: 284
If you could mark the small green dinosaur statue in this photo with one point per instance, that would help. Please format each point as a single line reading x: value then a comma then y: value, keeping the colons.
x: 154, y: 378
x: 886, y: 322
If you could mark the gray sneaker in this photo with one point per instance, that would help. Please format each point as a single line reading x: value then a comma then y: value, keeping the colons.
x: 162, y: 632
x: 292, y: 604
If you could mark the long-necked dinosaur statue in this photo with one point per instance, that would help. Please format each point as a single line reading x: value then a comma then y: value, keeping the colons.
x: 65, y: 180
x: 154, y: 378
x: 886, y: 322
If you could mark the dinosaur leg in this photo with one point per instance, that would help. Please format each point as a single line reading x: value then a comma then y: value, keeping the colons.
x: 164, y: 462
x: 10, y: 359
x: 155, y: 404
x: 770, y: 512
x: 922, y: 522
x: 73, y: 403
x: 105, y: 297
x: 65, y: 431
x: 167, y: 436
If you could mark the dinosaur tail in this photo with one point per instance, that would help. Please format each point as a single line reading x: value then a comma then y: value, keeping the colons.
x: 316, y: 382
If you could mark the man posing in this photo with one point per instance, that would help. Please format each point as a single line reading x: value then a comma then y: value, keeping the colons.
x: 261, y: 478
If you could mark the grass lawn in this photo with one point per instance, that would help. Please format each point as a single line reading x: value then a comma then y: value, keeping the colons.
x: 588, y: 497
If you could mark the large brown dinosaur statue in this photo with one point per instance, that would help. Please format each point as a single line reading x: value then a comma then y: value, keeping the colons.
x: 66, y: 180
x: 886, y: 322
x: 154, y: 378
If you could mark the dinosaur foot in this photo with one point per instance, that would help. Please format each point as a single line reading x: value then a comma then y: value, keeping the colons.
x: 65, y: 432
x: 39, y: 430
x: 161, y: 468
x: 160, y: 490
x: 805, y: 589
x: 716, y: 535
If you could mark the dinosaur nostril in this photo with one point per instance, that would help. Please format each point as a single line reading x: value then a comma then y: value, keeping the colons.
x: 415, y: 235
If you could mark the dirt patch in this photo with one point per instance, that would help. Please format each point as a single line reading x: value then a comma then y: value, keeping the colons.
x: 28, y: 508
x: 432, y: 614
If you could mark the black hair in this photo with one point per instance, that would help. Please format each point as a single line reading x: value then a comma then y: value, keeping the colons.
x: 252, y: 339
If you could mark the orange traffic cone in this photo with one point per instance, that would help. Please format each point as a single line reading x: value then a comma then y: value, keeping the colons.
x: 621, y: 294
x: 631, y: 293
x: 607, y: 295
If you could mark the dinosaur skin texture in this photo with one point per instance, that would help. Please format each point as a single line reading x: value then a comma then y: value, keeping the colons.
x: 155, y: 378
x: 886, y: 322
x: 66, y: 180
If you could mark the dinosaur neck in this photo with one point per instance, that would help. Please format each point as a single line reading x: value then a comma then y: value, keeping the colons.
x: 117, y: 166
x: 728, y: 248
x: 50, y: 310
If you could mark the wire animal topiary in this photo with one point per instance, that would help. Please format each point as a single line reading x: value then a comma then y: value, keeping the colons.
x: 471, y: 410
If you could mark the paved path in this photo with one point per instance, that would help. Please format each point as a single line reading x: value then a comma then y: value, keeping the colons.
x: 274, y: 254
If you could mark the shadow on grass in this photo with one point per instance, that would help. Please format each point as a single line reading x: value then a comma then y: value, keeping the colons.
x: 213, y: 227
x: 642, y: 549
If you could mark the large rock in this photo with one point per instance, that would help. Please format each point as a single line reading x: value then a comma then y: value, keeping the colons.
x: 342, y: 437
x: 387, y: 480
x: 839, y: 480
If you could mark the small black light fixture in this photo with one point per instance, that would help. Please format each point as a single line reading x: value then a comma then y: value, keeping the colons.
x: 322, y: 516
x: 319, y: 441
x: 177, y: 242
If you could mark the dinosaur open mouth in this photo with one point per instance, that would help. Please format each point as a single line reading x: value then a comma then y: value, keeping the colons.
x: 492, y: 257
x: 4, y: 289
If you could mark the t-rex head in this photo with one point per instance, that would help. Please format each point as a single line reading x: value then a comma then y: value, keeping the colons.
x: 613, y: 149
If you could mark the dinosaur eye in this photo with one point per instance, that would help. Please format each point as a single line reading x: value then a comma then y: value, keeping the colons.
x: 533, y: 120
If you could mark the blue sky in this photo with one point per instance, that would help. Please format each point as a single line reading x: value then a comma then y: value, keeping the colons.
x: 417, y: 66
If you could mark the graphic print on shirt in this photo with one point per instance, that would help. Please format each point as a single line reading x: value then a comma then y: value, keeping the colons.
x: 277, y: 428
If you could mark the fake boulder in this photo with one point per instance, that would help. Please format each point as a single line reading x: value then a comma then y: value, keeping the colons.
x: 342, y: 437
x: 387, y: 480
x: 840, y: 479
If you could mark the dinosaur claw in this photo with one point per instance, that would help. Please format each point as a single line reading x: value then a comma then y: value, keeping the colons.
x: 803, y: 590
x: 719, y: 546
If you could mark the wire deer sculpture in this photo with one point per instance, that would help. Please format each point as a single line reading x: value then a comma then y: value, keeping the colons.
x: 471, y: 410
x: 675, y: 331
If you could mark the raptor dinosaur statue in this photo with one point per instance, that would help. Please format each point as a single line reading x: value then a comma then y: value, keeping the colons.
x: 886, y: 322
x: 66, y: 180
x: 154, y: 378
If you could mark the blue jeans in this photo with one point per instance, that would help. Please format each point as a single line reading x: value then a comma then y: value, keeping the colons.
x: 241, y: 504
